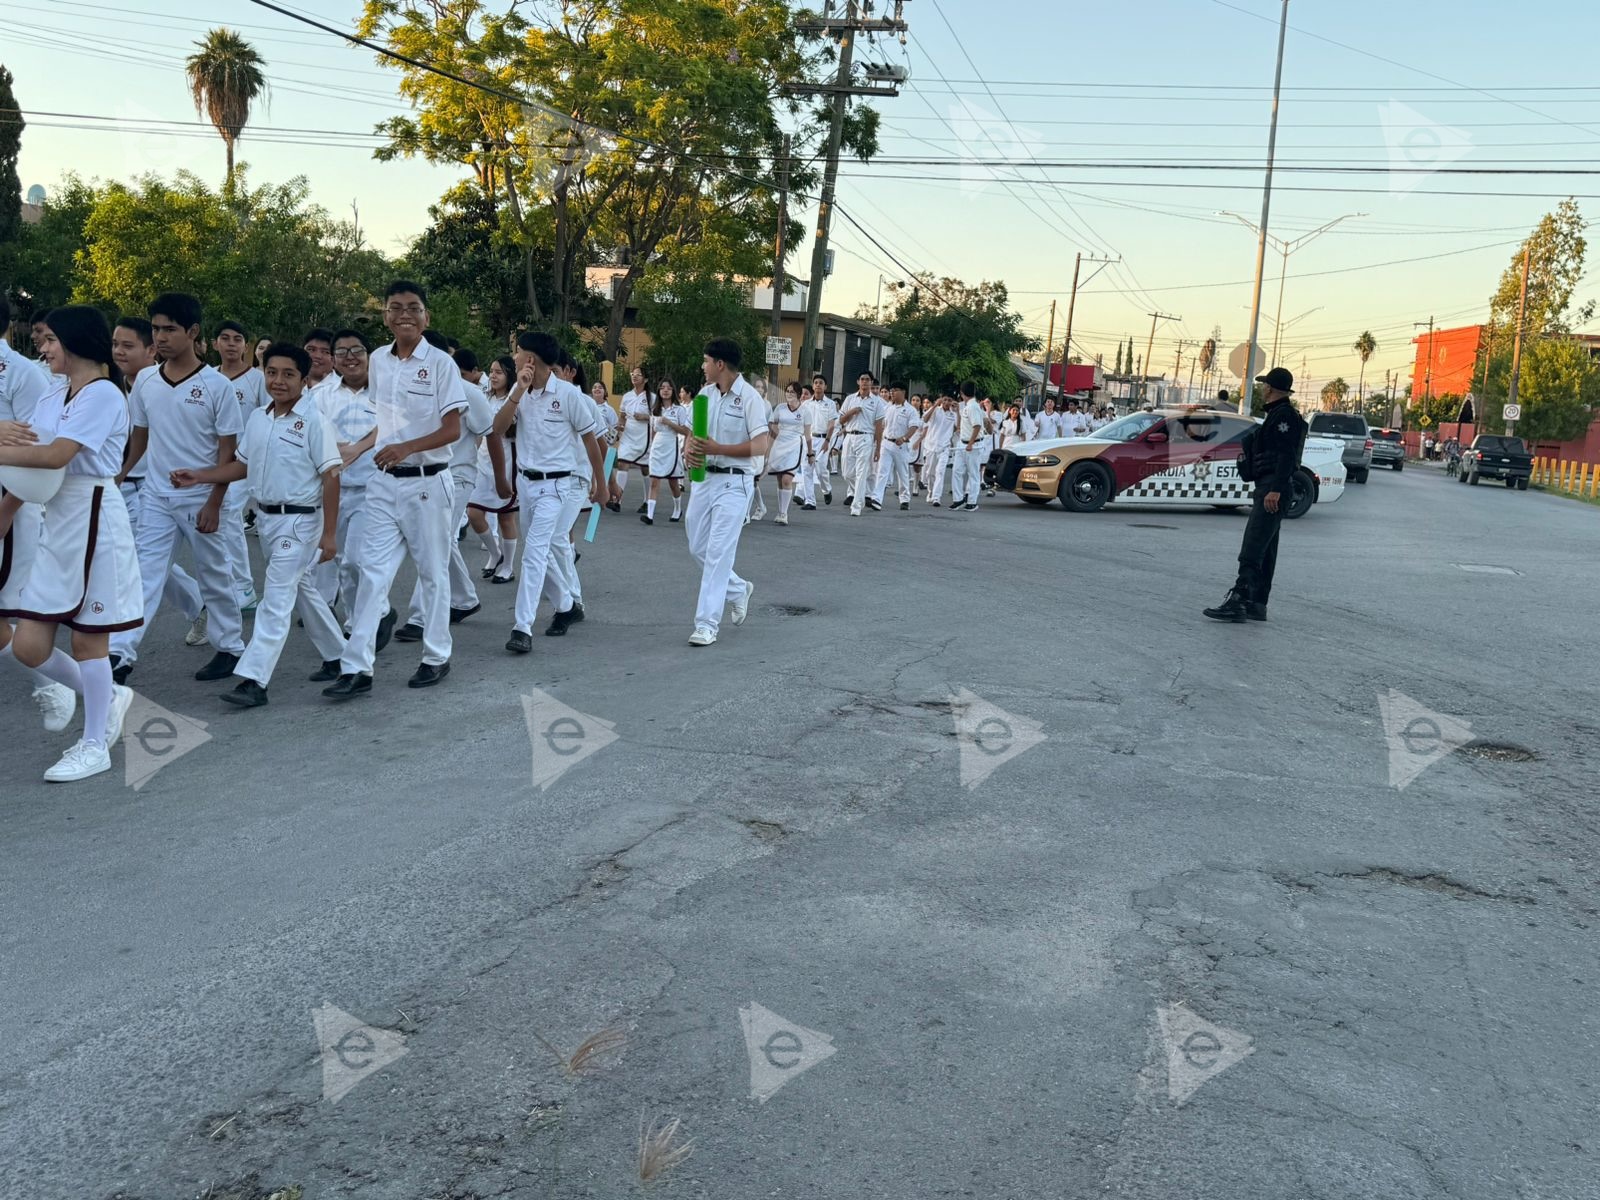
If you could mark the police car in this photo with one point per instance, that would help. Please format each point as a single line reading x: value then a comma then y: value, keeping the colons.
x: 1169, y: 457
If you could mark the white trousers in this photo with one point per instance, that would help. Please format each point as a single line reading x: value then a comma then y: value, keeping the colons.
x: 894, y: 466
x: 815, y: 473
x: 180, y: 590
x: 968, y: 482
x: 561, y: 586
x: 289, y: 542
x: 857, y: 467
x: 463, y: 593
x: 403, y: 516
x: 163, y: 522
x: 543, y: 501
x: 231, y: 530
x: 341, y: 579
x: 715, y: 517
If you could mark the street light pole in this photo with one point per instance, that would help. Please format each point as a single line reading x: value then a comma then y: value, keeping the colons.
x: 1247, y: 391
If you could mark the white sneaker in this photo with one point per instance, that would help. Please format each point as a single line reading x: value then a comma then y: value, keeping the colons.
x: 121, y: 699
x: 781, y: 519
x: 758, y: 514
x: 197, y: 630
x: 701, y: 636
x: 57, y: 702
x: 81, y: 760
x: 741, y: 609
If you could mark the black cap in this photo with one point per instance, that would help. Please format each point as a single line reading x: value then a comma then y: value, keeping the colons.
x: 1278, y: 378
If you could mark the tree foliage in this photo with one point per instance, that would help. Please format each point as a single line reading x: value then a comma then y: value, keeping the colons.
x: 11, y: 126
x: 1556, y: 248
x: 1558, y: 389
x: 945, y: 332
x: 226, y: 76
x: 1333, y: 394
x: 682, y: 312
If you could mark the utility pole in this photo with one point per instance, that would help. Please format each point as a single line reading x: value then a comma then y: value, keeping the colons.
x: 1150, y: 345
x: 1049, y: 353
x: 1072, y: 304
x: 843, y: 29
x: 1516, y: 345
x: 779, y: 252
x: 1427, y: 377
x: 1247, y: 392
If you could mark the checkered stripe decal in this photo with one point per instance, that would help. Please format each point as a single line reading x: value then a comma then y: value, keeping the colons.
x: 1156, y: 488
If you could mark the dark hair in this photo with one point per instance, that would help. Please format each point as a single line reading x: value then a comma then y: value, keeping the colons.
x: 5, y: 313
x: 579, y: 380
x: 351, y: 333
x: 233, y: 325
x: 542, y: 346
x: 436, y: 340
x: 180, y: 307
x: 968, y: 390
x: 816, y: 375
x: 509, y: 365
x: 899, y: 385
x: 655, y: 399
x: 141, y: 329
x: 466, y: 360
x: 794, y: 386
x: 319, y: 334
x: 401, y: 286
x: 83, y: 333
x: 452, y: 344
x: 724, y: 350
x: 293, y: 353
x: 868, y: 374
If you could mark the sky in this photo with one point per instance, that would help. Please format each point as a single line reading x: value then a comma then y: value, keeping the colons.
x: 1121, y: 131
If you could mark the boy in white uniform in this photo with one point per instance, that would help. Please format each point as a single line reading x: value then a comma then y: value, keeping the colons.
x: 900, y: 422
x: 824, y: 428
x: 861, y: 420
x: 288, y: 461
x: 549, y: 413
x: 233, y: 347
x: 971, y: 450
x: 346, y: 401
x: 736, y: 436
x: 938, y: 436
x: 418, y: 395
x: 185, y: 416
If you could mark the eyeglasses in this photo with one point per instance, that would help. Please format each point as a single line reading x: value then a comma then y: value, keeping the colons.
x: 404, y: 310
x: 350, y: 352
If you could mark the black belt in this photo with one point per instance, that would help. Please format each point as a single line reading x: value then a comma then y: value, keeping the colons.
x: 414, y: 472
x: 727, y: 470
x: 283, y: 510
x: 536, y: 476
x: 136, y: 480
x: 856, y: 432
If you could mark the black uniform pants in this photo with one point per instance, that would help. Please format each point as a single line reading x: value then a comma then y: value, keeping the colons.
x: 1258, y: 556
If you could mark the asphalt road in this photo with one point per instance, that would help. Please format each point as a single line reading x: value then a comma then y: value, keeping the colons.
x: 1028, y: 880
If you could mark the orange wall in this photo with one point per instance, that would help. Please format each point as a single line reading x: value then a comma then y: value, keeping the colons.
x: 1455, y: 361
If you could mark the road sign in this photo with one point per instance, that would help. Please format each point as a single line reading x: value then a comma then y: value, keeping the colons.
x: 1236, y: 360
x: 780, y: 351
x: 1512, y: 412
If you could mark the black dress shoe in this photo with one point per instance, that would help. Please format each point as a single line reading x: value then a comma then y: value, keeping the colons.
x: 502, y: 579
x: 874, y: 505
x: 648, y: 520
x: 827, y: 497
x: 808, y: 507
x: 349, y: 685
x: 458, y: 615
x: 326, y: 673
x: 408, y: 633
x: 385, y: 630
x: 641, y: 508
x: 220, y: 667
x: 614, y: 507
x: 1256, y: 612
x: 558, y: 624
x: 428, y: 674
x: 905, y: 505
x: 849, y: 499
x: 519, y: 642
x: 577, y: 556
x: 249, y: 694
x: 575, y: 613
x: 1231, y: 609
x: 488, y: 572
x: 120, y: 670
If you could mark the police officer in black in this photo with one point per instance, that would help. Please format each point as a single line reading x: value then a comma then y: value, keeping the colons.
x: 1270, y: 456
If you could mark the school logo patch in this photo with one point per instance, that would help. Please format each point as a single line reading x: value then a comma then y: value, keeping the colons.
x: 299, y: 425
x: 555, y: 405
x: 285, y: 544
x: 422, y: 374
x: 424, y: 495
x: 197, y: 393
x: 97, y: 608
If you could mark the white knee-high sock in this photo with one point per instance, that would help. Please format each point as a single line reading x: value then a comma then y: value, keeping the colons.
x: 650, y: 508
x: 96, y: 674
x: 61, y: 668
x: 509, y: 567
x: 677, y: 505
x: 489, y: 539
x: 621, y: 477
x: 784, y: 495
x: 40, y: 679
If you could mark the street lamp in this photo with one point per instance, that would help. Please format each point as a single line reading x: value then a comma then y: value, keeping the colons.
x: 1286, y: 248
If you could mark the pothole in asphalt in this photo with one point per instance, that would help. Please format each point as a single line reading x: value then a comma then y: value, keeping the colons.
x: 1137, y: 525
x: 767, y: 831
x: 790, y: 610
x: 1498, y: 752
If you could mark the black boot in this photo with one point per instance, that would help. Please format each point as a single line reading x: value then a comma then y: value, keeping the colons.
x: 1231, y: 609
x: 1256, y: 610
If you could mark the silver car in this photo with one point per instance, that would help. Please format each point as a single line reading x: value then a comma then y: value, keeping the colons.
x: 1352, y: 431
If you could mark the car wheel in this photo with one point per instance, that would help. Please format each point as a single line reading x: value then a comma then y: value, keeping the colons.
x: 1399, y: 466
x: 1304, y: 490
x: 1473, y: 479
x: 1511, y: 483
x: 1522, y: 484
x: 1461, y: 478
x: 1359, y: 475
x: 1034, y: 499
x: 1085, y: 488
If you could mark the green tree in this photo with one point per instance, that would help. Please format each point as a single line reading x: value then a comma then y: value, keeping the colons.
x: 1118, y: 370
x: 945, y: 331
x: 11, y: 126
x: 681, y: 313
x: 1333, y: 394
x: 41, y: 266
x: 265, y: 257
x: 1558, y: 389
x: 1366, y: 346
x: 225, y: 78
x: 651, y: 128
x: 1556, y: 249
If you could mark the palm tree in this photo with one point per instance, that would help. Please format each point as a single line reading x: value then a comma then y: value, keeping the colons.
x: 1333, y: 394
x: 1365, y: 345
x: 225, y: 77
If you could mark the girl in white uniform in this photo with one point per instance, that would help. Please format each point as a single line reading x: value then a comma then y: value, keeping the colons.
x: 501, y: 543
x: 790, y: 427
x: 633, y: 442
x: 668, y: 420
x: 1017, y: 427
x: 85, y: 574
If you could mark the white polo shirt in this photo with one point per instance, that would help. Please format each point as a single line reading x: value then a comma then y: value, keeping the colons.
x: 732, y: 417
x: 552, y: 420
x: 352, y: 415
x: 476, y: 421
x: 21, y: 387
x: 412, y: 396
x: 288, y: 455
x: 185, y: 418
x: 635, y: 404
x: 824, y: 413
x: 251, y: 388
x: 899, y: 420
x: 96, y: 418
x: 870, y: 410
x: 971, y: 416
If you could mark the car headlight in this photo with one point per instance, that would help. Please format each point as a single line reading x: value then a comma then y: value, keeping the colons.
x: 1041, y: 460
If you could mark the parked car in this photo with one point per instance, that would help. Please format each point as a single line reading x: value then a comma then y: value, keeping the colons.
x: 1388, y: 450
x: 1495, y: 456
x: 1352, y: 431
x: 1185, y: 457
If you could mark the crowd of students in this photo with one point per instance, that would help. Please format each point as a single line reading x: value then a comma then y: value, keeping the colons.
x: 344, y: 459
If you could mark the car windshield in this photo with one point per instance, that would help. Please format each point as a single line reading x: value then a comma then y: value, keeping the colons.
x: 1386, y: 435
x: 1339, y: 423
x: 1499, y: 445
x: 1125, y: 429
